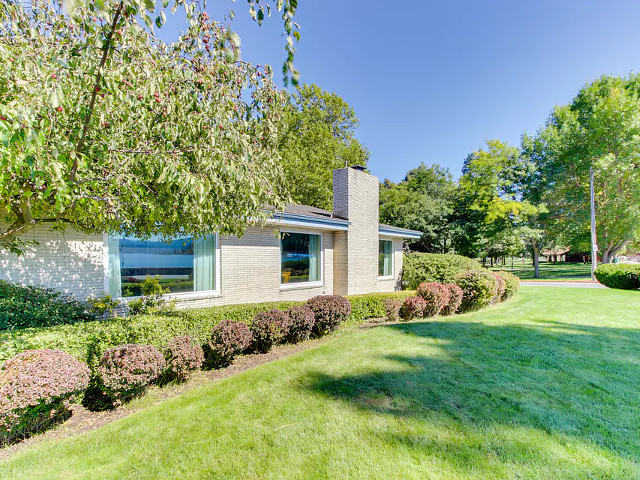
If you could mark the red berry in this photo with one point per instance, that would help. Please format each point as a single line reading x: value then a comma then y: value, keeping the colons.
x: 59, y: 109
x: 54, y: 76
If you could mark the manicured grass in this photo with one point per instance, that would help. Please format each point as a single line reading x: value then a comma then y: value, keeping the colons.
x: 544, y: 386
x: 548, y: 271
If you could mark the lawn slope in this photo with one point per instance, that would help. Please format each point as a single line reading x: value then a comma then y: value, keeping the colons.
x: 546, y: 385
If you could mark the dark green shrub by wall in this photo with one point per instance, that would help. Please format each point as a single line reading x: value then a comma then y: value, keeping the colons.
x: 619, y: 275
x: 24, y: 306
x: 434, y: 267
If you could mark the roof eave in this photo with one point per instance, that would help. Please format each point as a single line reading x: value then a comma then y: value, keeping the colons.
x: 399, y: 233
x: 293, y: 220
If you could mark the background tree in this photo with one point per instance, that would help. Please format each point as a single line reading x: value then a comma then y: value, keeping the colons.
x: 491, y: 201
x: 599, y: 129
x: 422, y: 201
x: 104, y: 127
x: 317, y: 137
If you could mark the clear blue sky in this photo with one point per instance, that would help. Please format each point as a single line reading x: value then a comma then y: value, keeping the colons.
x: 430, y: 81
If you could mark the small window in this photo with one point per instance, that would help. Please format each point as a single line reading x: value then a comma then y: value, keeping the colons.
x: 182, y: 264
x: 300, y: 258
x: 385, y: 259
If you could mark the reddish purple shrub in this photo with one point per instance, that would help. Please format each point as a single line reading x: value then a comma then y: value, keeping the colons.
x: 228, y: 339
x: 267, y: 329
x: 300, y: 323
x: 330, y: 311
x: 455, y: 299
x: 500, y: 287
x: 392, y: 308
x: 434, y: 296
x: 36, y: 389
x: 412, y: 307
x: 183, y: 355
x: 126, y: 370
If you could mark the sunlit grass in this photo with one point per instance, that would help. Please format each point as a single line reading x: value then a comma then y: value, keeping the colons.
x: 548, y: 271
x: 545, y: 386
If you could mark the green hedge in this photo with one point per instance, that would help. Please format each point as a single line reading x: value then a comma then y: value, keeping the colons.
x: 434, y: 267
x: 619, y: 275
x: 87, y: 341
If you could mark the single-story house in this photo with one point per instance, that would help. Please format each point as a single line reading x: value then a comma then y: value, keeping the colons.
x: 300, y: 252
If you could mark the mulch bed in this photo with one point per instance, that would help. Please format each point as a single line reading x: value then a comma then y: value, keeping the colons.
x: 83, y: 420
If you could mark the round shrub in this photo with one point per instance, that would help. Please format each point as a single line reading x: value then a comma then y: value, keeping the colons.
x: 126, y: 370
x: 500, y: 288
x: 182, y: 355
x: 511, y: 284
x: 412, y: 307
x: 619, y: 275
x: 478, y: 289
x: 434, y: 297
x: 392, y: 308
x: 330, y: 311
x: 36, y: 389
x: 419, y: 268
x: 455, y: 298
x: 267, y: 329
x: 228, y: 339
x: 300, y: 323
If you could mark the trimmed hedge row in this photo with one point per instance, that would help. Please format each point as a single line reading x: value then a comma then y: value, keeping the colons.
x: 434, y: 267
x: 619, y: 275
x: 87, y: 341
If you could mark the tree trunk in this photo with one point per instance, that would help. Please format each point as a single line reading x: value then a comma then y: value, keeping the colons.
x: 536, y: 262
x: 605, y: 256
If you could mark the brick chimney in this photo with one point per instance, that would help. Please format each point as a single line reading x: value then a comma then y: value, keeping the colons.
x: 356, y: 198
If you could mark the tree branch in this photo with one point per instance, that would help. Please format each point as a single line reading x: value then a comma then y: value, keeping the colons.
x: 94, y: 93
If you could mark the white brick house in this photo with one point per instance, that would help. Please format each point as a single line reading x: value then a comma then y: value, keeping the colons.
x: 300, y: 253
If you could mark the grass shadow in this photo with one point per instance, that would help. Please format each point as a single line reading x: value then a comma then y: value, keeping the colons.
x: 569, y: 380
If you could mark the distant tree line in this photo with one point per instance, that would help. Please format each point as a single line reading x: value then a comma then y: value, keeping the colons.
x: 510, y: 200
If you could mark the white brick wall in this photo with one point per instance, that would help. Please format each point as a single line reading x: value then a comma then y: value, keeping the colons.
x: 250, y: 271
x: 355, y: 196
x: 70, y: 261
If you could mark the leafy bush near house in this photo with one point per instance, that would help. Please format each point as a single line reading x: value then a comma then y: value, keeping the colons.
x: 126, y: 371
x: 479, y: 289
x: 300, y: 323
x: 267, y: 329
x: 392, y: 308
x: 511, y: 284
x: 330, y: 311
x: 36, y: 389
x: 619, y: 275
x: 435, y: 298
x: 419, y: 268
x: 183, y: 355
x: 23, y: 306
x: 103, y: 307
x: 455, y: 299
x: 413, y: 307
x: 501, y: 287
x: 228, y: 339
x: 152, y: 299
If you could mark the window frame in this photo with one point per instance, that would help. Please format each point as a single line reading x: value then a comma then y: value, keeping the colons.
x: 393, y: 263
x: 293, y: 286
x: 216, y: 292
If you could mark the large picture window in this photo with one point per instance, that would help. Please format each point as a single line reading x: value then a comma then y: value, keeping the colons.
x: 385, y: 259
x: 182, y: 265
x: 300, y: 258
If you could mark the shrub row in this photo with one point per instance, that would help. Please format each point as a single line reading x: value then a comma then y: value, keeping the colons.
x: 473, y: 290
x: 619, y: 275
x: 88, y: 340
x: 37, y: 386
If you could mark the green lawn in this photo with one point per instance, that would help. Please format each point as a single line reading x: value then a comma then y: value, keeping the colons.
x: 548, y: 271
x: 544, y: 386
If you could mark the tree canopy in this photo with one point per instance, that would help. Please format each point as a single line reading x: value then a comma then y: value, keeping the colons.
x: 599, y: 129
x: 104, y: 127
x: 318, y: 130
